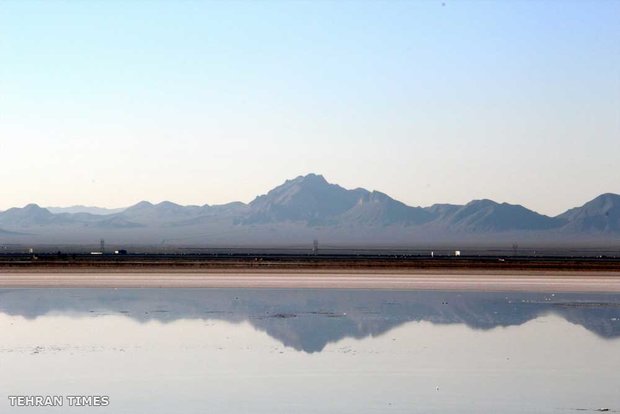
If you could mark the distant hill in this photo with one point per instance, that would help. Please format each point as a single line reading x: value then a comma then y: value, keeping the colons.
x: 489, y: 216
x: 309, y: 207
x: 30, y: 215
x: 166, y: 211
x: 599, y: 215
x: 100, y: 211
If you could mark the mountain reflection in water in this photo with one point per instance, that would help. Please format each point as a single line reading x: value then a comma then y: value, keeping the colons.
x: 308, y: 320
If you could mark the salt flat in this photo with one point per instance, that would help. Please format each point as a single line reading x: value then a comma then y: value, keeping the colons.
x: 414, y: 280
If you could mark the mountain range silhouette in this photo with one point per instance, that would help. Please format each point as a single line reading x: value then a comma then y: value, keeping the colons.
x: 309, y: 207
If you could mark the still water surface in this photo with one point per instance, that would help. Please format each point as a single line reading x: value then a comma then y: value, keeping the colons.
x: 310, y: 351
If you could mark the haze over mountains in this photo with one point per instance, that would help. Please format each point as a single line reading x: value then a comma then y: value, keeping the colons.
x: 309, y: 207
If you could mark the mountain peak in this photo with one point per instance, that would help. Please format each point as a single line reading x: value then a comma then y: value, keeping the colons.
x: 308, y: 180
x: 167, y: 204
x: 484, y: 202
x: 29, y: 214
x: 308, y: 198
x: 140, y: 205
x: 607, y: 199
x: 601, y: 214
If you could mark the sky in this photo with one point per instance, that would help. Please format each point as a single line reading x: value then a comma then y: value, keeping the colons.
x: 111, y: 102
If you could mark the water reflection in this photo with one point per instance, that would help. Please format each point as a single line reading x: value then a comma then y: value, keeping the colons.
x: 311, y: 351
x: 308, y: 320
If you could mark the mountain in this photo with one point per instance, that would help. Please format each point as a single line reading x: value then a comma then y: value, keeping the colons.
x: 376, y: 208
x: 601, y: 214
x: 100, y: 211
x: 146, y: 215
x: 309, y: 198
x: 489, y: 216
x: 146, y: 212
x: 309, y: 207
x: 441, y: 211
x: 30, y: 215
x: 312, y: 200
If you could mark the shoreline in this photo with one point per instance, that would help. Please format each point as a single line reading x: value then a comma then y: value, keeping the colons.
x: 436, y: 279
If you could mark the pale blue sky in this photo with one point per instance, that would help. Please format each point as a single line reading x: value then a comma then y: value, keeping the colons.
x: 111, y: 102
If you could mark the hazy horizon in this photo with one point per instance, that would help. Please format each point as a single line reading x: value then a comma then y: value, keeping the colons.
x: 107, y: 103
